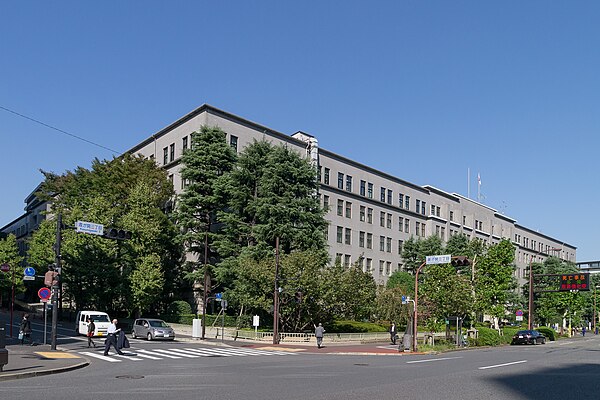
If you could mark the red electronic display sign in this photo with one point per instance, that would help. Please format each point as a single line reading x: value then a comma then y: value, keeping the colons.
x: 574, y: 282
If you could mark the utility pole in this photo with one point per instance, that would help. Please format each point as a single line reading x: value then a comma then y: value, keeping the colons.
x: 276, y: 295
x: 55, y: 283
x: 205, y: 289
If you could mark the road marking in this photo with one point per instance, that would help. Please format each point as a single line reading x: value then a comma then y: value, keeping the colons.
x: 148, y: 356
x: 100, y: 356
x: 175, y: 353
x: 503, y: 365
x: 156, y: 354
x: 432, y: 359
x: 58, y: 354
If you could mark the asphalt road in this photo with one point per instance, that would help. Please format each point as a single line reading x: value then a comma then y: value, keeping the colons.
x: 567, y: 369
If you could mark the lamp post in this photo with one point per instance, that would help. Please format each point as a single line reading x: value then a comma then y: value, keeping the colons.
x: 276, y: 295
x: 530, y: 305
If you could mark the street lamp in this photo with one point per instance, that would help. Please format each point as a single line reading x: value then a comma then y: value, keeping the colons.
x: 530, y: 308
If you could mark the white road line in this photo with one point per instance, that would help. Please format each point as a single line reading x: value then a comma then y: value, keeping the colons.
x: 202, y: 352
x: 129, y: 357
x: 175, y: 353
x: 213, y: 352
x: 100, y: 356
x: 503, y: 365
x: 148, y: 356
x: 432, y: 359
x: 156, y: 354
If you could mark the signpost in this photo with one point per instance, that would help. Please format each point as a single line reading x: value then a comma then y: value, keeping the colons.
x: 443, y: 259
x: 89, y: 227
x: 5, y: 268
x: 44, y: 295
x: 29, y: 274
x: 519, y: 315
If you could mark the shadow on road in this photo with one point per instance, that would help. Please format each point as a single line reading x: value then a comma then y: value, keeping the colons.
x: 575, y: 381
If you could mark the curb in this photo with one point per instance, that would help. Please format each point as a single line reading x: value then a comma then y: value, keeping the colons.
x: 32, y: 374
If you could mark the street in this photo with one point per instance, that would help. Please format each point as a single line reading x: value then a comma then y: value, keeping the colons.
x: 566, y: 369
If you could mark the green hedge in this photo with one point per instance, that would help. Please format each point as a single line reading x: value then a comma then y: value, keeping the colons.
x: 548, y: 332
x: 487, y: 337
x: 355, y: 327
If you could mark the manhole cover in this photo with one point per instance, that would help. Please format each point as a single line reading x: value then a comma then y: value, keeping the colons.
x: 130, y: 377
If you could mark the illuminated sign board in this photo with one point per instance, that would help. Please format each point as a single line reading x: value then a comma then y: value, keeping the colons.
x: 574, y: 282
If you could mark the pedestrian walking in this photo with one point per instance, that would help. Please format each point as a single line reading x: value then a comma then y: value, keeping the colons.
x: 90, y: 333
x: 25, y: 330
x: 111, y: 338
x: 583, y: 331
x: 393, y: 333
x: 319, y: 331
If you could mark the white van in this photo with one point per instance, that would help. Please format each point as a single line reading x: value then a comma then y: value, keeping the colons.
x: 101, y: 320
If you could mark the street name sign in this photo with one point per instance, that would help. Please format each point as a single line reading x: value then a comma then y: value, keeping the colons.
x: 89, y: 227
x: 443, y: 259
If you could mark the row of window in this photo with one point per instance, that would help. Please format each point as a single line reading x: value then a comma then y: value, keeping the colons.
x: 366, y: 264
x: 169, y: 151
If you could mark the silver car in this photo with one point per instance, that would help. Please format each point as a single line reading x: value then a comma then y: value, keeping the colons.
x: 151, y: 329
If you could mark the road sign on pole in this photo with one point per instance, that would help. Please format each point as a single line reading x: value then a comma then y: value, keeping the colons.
x: 443, y: 259
x: 89, y: 227
x: 4, y: 267
x: 44, y: 293
x: 29, y: 271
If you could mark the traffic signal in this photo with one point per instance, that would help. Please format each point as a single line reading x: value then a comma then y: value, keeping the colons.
x: 117, y: 234
x: 460, y: 261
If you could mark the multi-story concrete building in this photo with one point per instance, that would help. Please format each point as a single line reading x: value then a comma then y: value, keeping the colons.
x: 371, y: 213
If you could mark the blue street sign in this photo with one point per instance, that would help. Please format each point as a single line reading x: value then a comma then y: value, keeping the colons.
x: 219, y: 296
x: 403, y: 299
x: 29, y: 271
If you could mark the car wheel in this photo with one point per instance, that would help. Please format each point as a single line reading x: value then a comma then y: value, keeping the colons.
x: 149, y: 336
x: 133, y: 335
x: 544, y: 341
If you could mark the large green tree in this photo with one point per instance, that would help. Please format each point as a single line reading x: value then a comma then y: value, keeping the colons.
x: 9, y: 254
x: 128, y: 192
x: 207, y: 160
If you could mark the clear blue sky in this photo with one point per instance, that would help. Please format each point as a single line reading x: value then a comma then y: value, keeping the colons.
x: 423, y: 90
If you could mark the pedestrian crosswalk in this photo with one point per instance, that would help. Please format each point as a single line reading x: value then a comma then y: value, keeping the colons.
x: 181, y: 353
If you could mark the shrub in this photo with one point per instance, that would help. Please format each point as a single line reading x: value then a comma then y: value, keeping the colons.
x: 180, y: 312
x: 487, y: 337
x: 356, y: 327
x: 548, y: 332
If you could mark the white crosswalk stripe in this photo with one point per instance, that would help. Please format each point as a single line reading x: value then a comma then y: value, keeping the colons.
x: 180, y: 353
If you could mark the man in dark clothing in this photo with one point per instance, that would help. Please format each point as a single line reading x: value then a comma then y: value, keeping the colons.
x: 393, y: 333
x: 91, y: 331
x: 319, y: 331
x: 111, y: 338
x: 25, y: 329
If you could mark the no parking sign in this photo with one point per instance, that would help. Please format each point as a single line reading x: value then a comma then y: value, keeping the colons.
x: 44, y: 294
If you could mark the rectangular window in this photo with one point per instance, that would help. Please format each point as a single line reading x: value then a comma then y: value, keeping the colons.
x: 348, y: 183
x: 389, y: 196
x: 233, y: 142
x: 400, y: 224
x: 370, y: 190
x: 348, y: 236
x: 361, y: 239
x: 418, y: 207
x: 407, y: 202
x: 340, y: 233
x: 326, y: 176
x: 326, y: 202
x: 388, y: 245
x: 381, y: 243
x: 417, y: 228
x: 340, y: 207
x: 422, y: 230
x: 369, y: 215
x: 400, y: 200
x: 172, y: 150
x: 369, y: 240
x: 406, y: 225
x: 382, y: 195
x: 423, y: 208
x: 451, y: 215
x: 363, y: 188
x: 369, y: 265
x: 382, y: 219
x: 400, y: 243
x: 464, y: 220
x: 388, y: 268
x: 381, y: 266
x: 347, y: 260
x: 432, y: 209
x: 166, y: 155
x: 389, y: 221
x: 443, y: 233
x: 327, y: 232
x: 184, y: 144
x: 348, y: 209
x: 362, y: 213
x: 340, y: 180
x: 437, y: 211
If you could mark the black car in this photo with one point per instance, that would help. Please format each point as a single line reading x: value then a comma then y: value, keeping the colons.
x: 528, y: 337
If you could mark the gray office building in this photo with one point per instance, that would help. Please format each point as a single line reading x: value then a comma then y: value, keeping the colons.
x: 370, y: 213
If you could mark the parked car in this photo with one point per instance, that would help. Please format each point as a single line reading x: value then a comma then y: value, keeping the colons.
x: 528, y: 337
x: 151, y: 329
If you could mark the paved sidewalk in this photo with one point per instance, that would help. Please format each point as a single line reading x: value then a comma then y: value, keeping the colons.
x: 25, y: 361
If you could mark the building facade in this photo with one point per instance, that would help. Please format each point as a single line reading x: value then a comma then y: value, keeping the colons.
x: 370, y: 213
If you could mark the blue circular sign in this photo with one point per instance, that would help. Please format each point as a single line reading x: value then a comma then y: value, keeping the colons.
x: 29, y: 271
